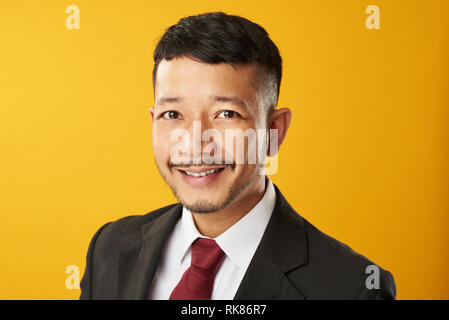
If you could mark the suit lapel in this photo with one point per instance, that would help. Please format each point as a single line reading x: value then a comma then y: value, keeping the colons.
x: 264, y: 281
x: 137, y: 264
x: 283, y: 248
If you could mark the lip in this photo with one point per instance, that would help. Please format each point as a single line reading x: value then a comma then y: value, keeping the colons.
x: 196, y: 169
x: 200, y: 181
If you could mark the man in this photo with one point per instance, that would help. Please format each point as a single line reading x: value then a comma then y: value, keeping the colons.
x: 233, y: 235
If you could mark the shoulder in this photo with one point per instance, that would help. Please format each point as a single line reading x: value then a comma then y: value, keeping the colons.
x: 336, y: 271
x: 332, y: 269
x: 126, y: 231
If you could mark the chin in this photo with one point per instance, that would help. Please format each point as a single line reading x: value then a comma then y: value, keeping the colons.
x: 203, y: 206
x: 207, y: 202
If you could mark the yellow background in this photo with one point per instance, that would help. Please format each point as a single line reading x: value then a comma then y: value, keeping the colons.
x: 366, y: 159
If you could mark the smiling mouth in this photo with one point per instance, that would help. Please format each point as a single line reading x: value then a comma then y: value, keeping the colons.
x: 197, y: 173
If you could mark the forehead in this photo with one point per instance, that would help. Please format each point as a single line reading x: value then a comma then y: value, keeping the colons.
x: 188, y: 78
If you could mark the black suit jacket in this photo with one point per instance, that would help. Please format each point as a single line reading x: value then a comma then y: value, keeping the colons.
x: 294, y: 260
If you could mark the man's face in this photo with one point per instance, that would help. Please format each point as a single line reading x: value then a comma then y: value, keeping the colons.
x: 189, y: 94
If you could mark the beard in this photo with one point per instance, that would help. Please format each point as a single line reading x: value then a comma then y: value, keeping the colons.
x: 205, y: 206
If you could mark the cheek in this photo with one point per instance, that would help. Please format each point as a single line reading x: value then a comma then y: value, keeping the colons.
x: 162, y: 142
x: 162, y: 130
x: 161, y: 149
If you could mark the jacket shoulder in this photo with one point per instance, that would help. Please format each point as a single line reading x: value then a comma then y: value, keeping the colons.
x: 336, y: 271
x: 101, y: 259
x: 125, y: 231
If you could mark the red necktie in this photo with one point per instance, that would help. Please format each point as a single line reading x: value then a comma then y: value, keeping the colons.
x: 198, y: 280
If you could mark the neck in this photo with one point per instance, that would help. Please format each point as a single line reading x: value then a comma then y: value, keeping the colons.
x: 215, y: 223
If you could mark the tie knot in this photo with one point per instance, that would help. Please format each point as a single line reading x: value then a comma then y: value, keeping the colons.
x: 207, y: 254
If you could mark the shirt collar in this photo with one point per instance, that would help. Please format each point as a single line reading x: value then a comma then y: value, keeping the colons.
x: 189, y: 233
x: 241, y: 240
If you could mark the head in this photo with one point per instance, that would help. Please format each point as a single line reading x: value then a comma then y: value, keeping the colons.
x: 215, y: 74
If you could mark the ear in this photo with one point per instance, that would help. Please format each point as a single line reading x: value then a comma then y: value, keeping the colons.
x: 152, y: 113
x: 279, y: 120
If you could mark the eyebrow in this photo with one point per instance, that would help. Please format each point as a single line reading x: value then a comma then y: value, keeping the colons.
x: 233, y: 100
x: 168, y: 100
x: 225, y: 99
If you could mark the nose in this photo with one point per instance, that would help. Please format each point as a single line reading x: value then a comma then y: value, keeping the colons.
x: 201, y: 143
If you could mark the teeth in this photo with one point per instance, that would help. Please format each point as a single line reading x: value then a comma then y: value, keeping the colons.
x: 201, y: 174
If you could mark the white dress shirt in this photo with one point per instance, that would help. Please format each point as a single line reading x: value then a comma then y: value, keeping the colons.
x: 239, y: 243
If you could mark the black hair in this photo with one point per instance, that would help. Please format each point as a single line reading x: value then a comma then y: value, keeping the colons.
x: 217, y: 37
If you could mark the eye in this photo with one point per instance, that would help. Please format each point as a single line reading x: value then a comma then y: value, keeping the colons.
x: 227, y: 114
x: 170, y: 115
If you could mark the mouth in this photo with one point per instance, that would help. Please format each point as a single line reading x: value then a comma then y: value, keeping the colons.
x: 200, y: 176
